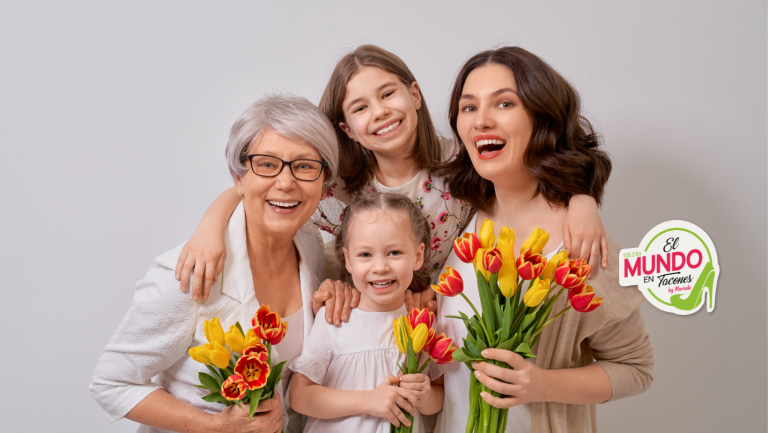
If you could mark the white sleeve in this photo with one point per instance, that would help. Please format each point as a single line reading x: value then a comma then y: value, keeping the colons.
x: 317, y: 353
x: 155, y: 333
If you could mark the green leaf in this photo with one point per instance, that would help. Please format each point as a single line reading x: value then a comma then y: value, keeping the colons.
x: 506, y: 323
x: 465, y: 319
x: 498, y: 316
x: 471, y: 348
x: 274, y: 372
x: 214, y: 397
x: 486, y: 304
x: 475, y: 321
x: 460, y: 356
x: 237, y: 325
x: 496, y: 338
x: 209, y: 382
x: 528, y: 319
x: 216, y: 375
x: 202, y: 386
x: 524, y: 350
x: 255, y: 397
x: 410, y: 357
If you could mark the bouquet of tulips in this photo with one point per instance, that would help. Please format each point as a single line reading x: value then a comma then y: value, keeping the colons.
x: 415, y: 336
x: 240, y: 362
x: 508, y: 322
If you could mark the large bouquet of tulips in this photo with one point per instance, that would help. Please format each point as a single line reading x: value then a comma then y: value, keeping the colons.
x: 415, y: 336
x: 240, y: 362
x: 508, y: 322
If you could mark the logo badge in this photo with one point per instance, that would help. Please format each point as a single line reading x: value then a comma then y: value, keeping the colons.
x: 675, y: 267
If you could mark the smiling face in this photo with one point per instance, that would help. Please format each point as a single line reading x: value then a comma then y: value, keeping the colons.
x: 493, y: 125
x: 380, y: 112
x: 381, y: 257
x: 279, y: 206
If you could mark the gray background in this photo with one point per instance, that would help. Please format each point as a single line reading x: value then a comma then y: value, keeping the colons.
x: 113, y: 120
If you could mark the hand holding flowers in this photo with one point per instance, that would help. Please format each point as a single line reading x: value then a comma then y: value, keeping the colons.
x: 243, y: 372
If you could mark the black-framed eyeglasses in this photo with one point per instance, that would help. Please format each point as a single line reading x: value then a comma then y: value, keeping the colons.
x: 270, y: 166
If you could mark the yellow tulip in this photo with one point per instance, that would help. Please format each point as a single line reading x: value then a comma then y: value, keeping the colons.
x: 487, y: 236
x: 535, y: 242
x: 536, y: 293
x: 403, y: 330
x: 557, y: 260
x: 508, y: 271
x: 419, y: 337
x: 250, y: 339
x: 478, y: 263
x: 214, y: 331
x: 234, y: 339
x: 506, y: 244
x: 211, y: 353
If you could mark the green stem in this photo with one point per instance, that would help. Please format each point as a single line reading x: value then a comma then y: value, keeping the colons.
x: 547, y: 323
x: 479, y: 317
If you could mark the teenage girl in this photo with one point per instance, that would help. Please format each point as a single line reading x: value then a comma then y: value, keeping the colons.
x: 344, y: 379
x: 387, y: 143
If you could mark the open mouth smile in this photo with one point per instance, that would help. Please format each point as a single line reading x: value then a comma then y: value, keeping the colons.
x: 283, y: 204
x: 385, y: 130
x: 489, y: 146
x: 381, y: 285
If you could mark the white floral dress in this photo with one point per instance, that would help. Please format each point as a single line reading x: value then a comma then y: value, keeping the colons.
x: 444, y: 213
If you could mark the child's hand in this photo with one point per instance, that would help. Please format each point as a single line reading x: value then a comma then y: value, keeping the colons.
x: 386, y: 401
x: 583, y: 232
x: 420, y: 387
x: 204, y: 253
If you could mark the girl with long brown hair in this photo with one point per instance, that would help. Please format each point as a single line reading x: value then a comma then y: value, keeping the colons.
x: 387, y: 143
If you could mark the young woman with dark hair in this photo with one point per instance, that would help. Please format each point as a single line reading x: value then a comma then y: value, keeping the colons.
x: 525, y: 151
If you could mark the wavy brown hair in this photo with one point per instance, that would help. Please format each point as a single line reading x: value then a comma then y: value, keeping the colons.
x: 385, y: 201
x: 564, y: 152
x: 356, y: 164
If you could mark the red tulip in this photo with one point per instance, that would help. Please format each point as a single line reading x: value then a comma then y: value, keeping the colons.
x: 431, y: 339
x: 253, y: 370
x: 259, y: 349
x: 492, y: 260
x: 466, y: 247
x: 417, y: 316
x: 529, y: 265
x: 234, y: 388
x: 572, y: 273
x: 583, y: 298
x: 450, y: 283
x: 442, y: 351
x: 268, y: 325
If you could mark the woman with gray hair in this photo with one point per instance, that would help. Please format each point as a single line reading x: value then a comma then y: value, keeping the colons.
x: 283, y: 156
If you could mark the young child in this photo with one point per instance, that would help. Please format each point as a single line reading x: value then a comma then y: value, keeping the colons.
x: 344, y: 379
x: 387, y: 143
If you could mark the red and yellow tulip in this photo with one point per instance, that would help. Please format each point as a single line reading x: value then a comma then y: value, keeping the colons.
x: 530, y: 265
x: 492, y: 260
x: 583, y: 298
x: 442, y: 350
x: 552, y: 264
x: 253, y: 370
x: 268, y: 325
x: 466, y: 247
x: 478, y: 264
x: 572, y: 273
x: 417, y: 316
x: 450, y: 283
x: 234, y: 388
x: 258, y: 349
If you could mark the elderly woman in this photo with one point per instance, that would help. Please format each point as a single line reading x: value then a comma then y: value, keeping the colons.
x: 283, y: 155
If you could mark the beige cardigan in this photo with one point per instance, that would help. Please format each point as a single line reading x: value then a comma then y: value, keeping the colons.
x: 614, y: 335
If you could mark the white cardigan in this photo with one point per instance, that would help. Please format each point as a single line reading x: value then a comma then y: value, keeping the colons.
x: 149, y: 350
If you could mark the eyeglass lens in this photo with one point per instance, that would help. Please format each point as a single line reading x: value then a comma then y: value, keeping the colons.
x: 302, y: 169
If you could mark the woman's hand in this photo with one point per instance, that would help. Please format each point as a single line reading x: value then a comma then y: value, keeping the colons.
x: 386, y: 401
x: 267, y: 419
x: 583, y: 232
x: 425, y: 298
x: 524, y: 383
x: 204, y: 253
x: 339, y: 299
x: 420, y: 386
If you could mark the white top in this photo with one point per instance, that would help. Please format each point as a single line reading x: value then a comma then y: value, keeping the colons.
x: 357, y: 356
x: 453, y: 417
x: 163, y: 323
x: 443, y: 212
x: 290, y: 346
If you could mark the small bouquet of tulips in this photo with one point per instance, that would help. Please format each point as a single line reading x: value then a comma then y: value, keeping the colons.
x: 240, y: 362
x: 415, y: 336
x: 506, y: 321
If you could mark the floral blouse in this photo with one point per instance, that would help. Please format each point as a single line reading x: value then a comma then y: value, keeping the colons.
x: 444, y: 213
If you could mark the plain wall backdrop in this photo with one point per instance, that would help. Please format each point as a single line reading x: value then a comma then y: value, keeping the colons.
x: 114, y: 117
